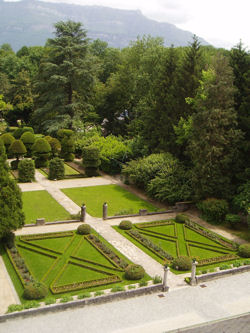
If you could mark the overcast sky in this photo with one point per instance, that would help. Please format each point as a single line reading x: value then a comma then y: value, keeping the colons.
x: 221, y: 22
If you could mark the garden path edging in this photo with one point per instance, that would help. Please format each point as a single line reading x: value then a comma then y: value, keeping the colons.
x: 84, y: 302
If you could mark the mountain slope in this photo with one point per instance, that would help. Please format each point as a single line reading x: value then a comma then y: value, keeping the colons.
x: 30, y: 22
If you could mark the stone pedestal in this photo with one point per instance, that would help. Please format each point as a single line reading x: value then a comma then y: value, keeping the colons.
x: 165, y: 279
x: 143, y: 212
x: 83, y: 213
x: 193, y: 281
x: 105, y: 211
x: 40, y: 221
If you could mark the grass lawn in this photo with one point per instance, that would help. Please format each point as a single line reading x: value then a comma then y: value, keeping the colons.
x: 70, y: 171
x: 187, y: 242
x: 79, y: 262
x: 40, y: 204
x: 119, y: 200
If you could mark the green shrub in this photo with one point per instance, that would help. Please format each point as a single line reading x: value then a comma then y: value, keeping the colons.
x: 55, y: 145
x: 26, y: 171
x: 131, y: 286
x: 84, y: 295
x: 14, y: 165
x: 181, y: 218
x: 19, y: 131
x: 91, y: 160
x: 84, y: 229
x: 41, y: 149
x: 18, y: 149
x: 56, y: 169
x: 3, y: 156
x: 224, y: 267
x: 134, y: 272
x: 67, y: 144
x: 15, y: 307
x: 66, y: 299
x: 125, y: 225
x: 50, y: 300
x: 117, y: 289
x: 233, y: 220
x: 213, y: 210
x: 237, y: 264
x: 35, y: 290
x: 7, y: 140
x: 31, y: 305
x: 182, y: 263
x: 99, y: 293
x: 244, y: 250
x: 143, y: 283
x: 246, y: 262
x: 28, y: 139
x: 157, y: 279
x: 204, y: 271
x: 9, y: 240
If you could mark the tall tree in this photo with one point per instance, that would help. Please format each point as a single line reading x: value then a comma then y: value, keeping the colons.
x: 214, y: 137
x: 65, y: 78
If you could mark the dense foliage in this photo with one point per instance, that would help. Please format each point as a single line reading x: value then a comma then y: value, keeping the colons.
x: 56, y: 169
x: 26, y: 171
x: 84, y: 229
x: 182, y: 263
x: 134, y: 272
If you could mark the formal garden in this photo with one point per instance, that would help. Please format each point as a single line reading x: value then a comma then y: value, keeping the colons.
x: 63, y: 264
x: 177, y: 242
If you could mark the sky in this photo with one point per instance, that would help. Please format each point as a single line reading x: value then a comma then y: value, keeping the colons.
x: 221, y: 22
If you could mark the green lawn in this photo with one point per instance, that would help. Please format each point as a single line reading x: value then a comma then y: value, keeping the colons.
x: 118, y: 199
x: 70, y: 171
x: 40, y: 204
x: 79, y: 262
x: 188, y: 242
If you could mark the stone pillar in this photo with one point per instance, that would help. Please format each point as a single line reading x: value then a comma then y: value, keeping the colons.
x: 105, y: 211
x: 193, y: 281
x: 40, y: 221
x: 83, y: 213
x: 165, y: 278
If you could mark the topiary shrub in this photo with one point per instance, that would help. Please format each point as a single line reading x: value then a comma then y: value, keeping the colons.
x: 14, y: 165
x: 55, y: 145
x: 126, y: 225
x: 91, y: 160
x: 233, y: 219
x: 18, y: 149
x: 67, y: 144
x: 182, y: 263
x: 56, y: 169
x: 213, y: 210
x: 134, y: 272
x: 26, y: 171
x: 244, y: 250
x: 3, y: 156
x: 19, y: 131
x: 41, y: 149
x: 7, y: 139
x: 181, y: 218
x: 28, y: 139
x: 84, y: 229
x: 35, y: 290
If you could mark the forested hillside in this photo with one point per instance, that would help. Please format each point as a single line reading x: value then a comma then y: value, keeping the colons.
x: 174, y: 120
x: 30, y: 23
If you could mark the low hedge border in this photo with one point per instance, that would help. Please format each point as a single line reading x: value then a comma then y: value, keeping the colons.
x: 100, y: 250
x: 157, y: 233
x: 49, y: 270
x: 40, y: 247
x: 15, y: 266
x: 37, y: 251
x: 204, y: 262
x: 206, y: 248
x: 47, y: 235
x: 149, y: 248
x: 211, y: 246
x: 209, y: 234
x: 153, y: 224
x: 96, y: 263
x: 56, y: 289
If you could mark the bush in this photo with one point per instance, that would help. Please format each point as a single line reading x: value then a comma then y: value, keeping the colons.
x: 26, y: 171
x: 157, y: 279
x: 99, y: 293
x: 125, y: 225
x: 66, y: 299
x: 224, y: 267
x: 55, y: 145
x: 117, y: 289
x: 237, y: 264
x: 181, y: 218
x: 84, y: 295
x: 56, y: 169
x: 28, y: 139
x: 67, y: 144
x: 7, y: 140
x: 41, y: 150
x: 213, y: 210
x: 21, y: 130
x: 134, y: 272
x: 14, y: 165
x: 9, y: 240
x: 84, y: 229
x: 17, y: 148
x: 244, y: 250
x: 91, y: 160
x: 182, y: 263
x: 3, y: 156
x: 233, y: 220
x: 35, y: 290
x: 15, y: 307
x: 50, y: 300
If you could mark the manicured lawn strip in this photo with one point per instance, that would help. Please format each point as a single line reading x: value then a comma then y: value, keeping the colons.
x: 40, y: 204
x: 117, y: 198
x: 198, y: 252
x: 55, y: 244
x: 42, y: 171
x: 195, y: 236
x: 162, y: 230
x: 69, y: 171
x: 183, y: 251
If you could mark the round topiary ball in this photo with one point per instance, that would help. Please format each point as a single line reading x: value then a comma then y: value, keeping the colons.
x: 125, y: 225
x: 182, y: 263
x: 134, y: 272
x: 244, y: 250
x: 35, y: 290
x: 181, y: 218
x: 84, y: 229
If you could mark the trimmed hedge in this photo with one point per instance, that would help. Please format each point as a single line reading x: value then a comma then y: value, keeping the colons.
x: 134, y: 272
x: 41, y: 150
x: 125, y: 225
x: 26, y: 171
x: 244, y: 250
x: 181, y: 218
x: 182, y: 263
x: 215, y: 260
x: 35, y: 290
x: 91, y: 160
x: 84, y: 229
x: 233, y: 219
x: 56, y: 169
